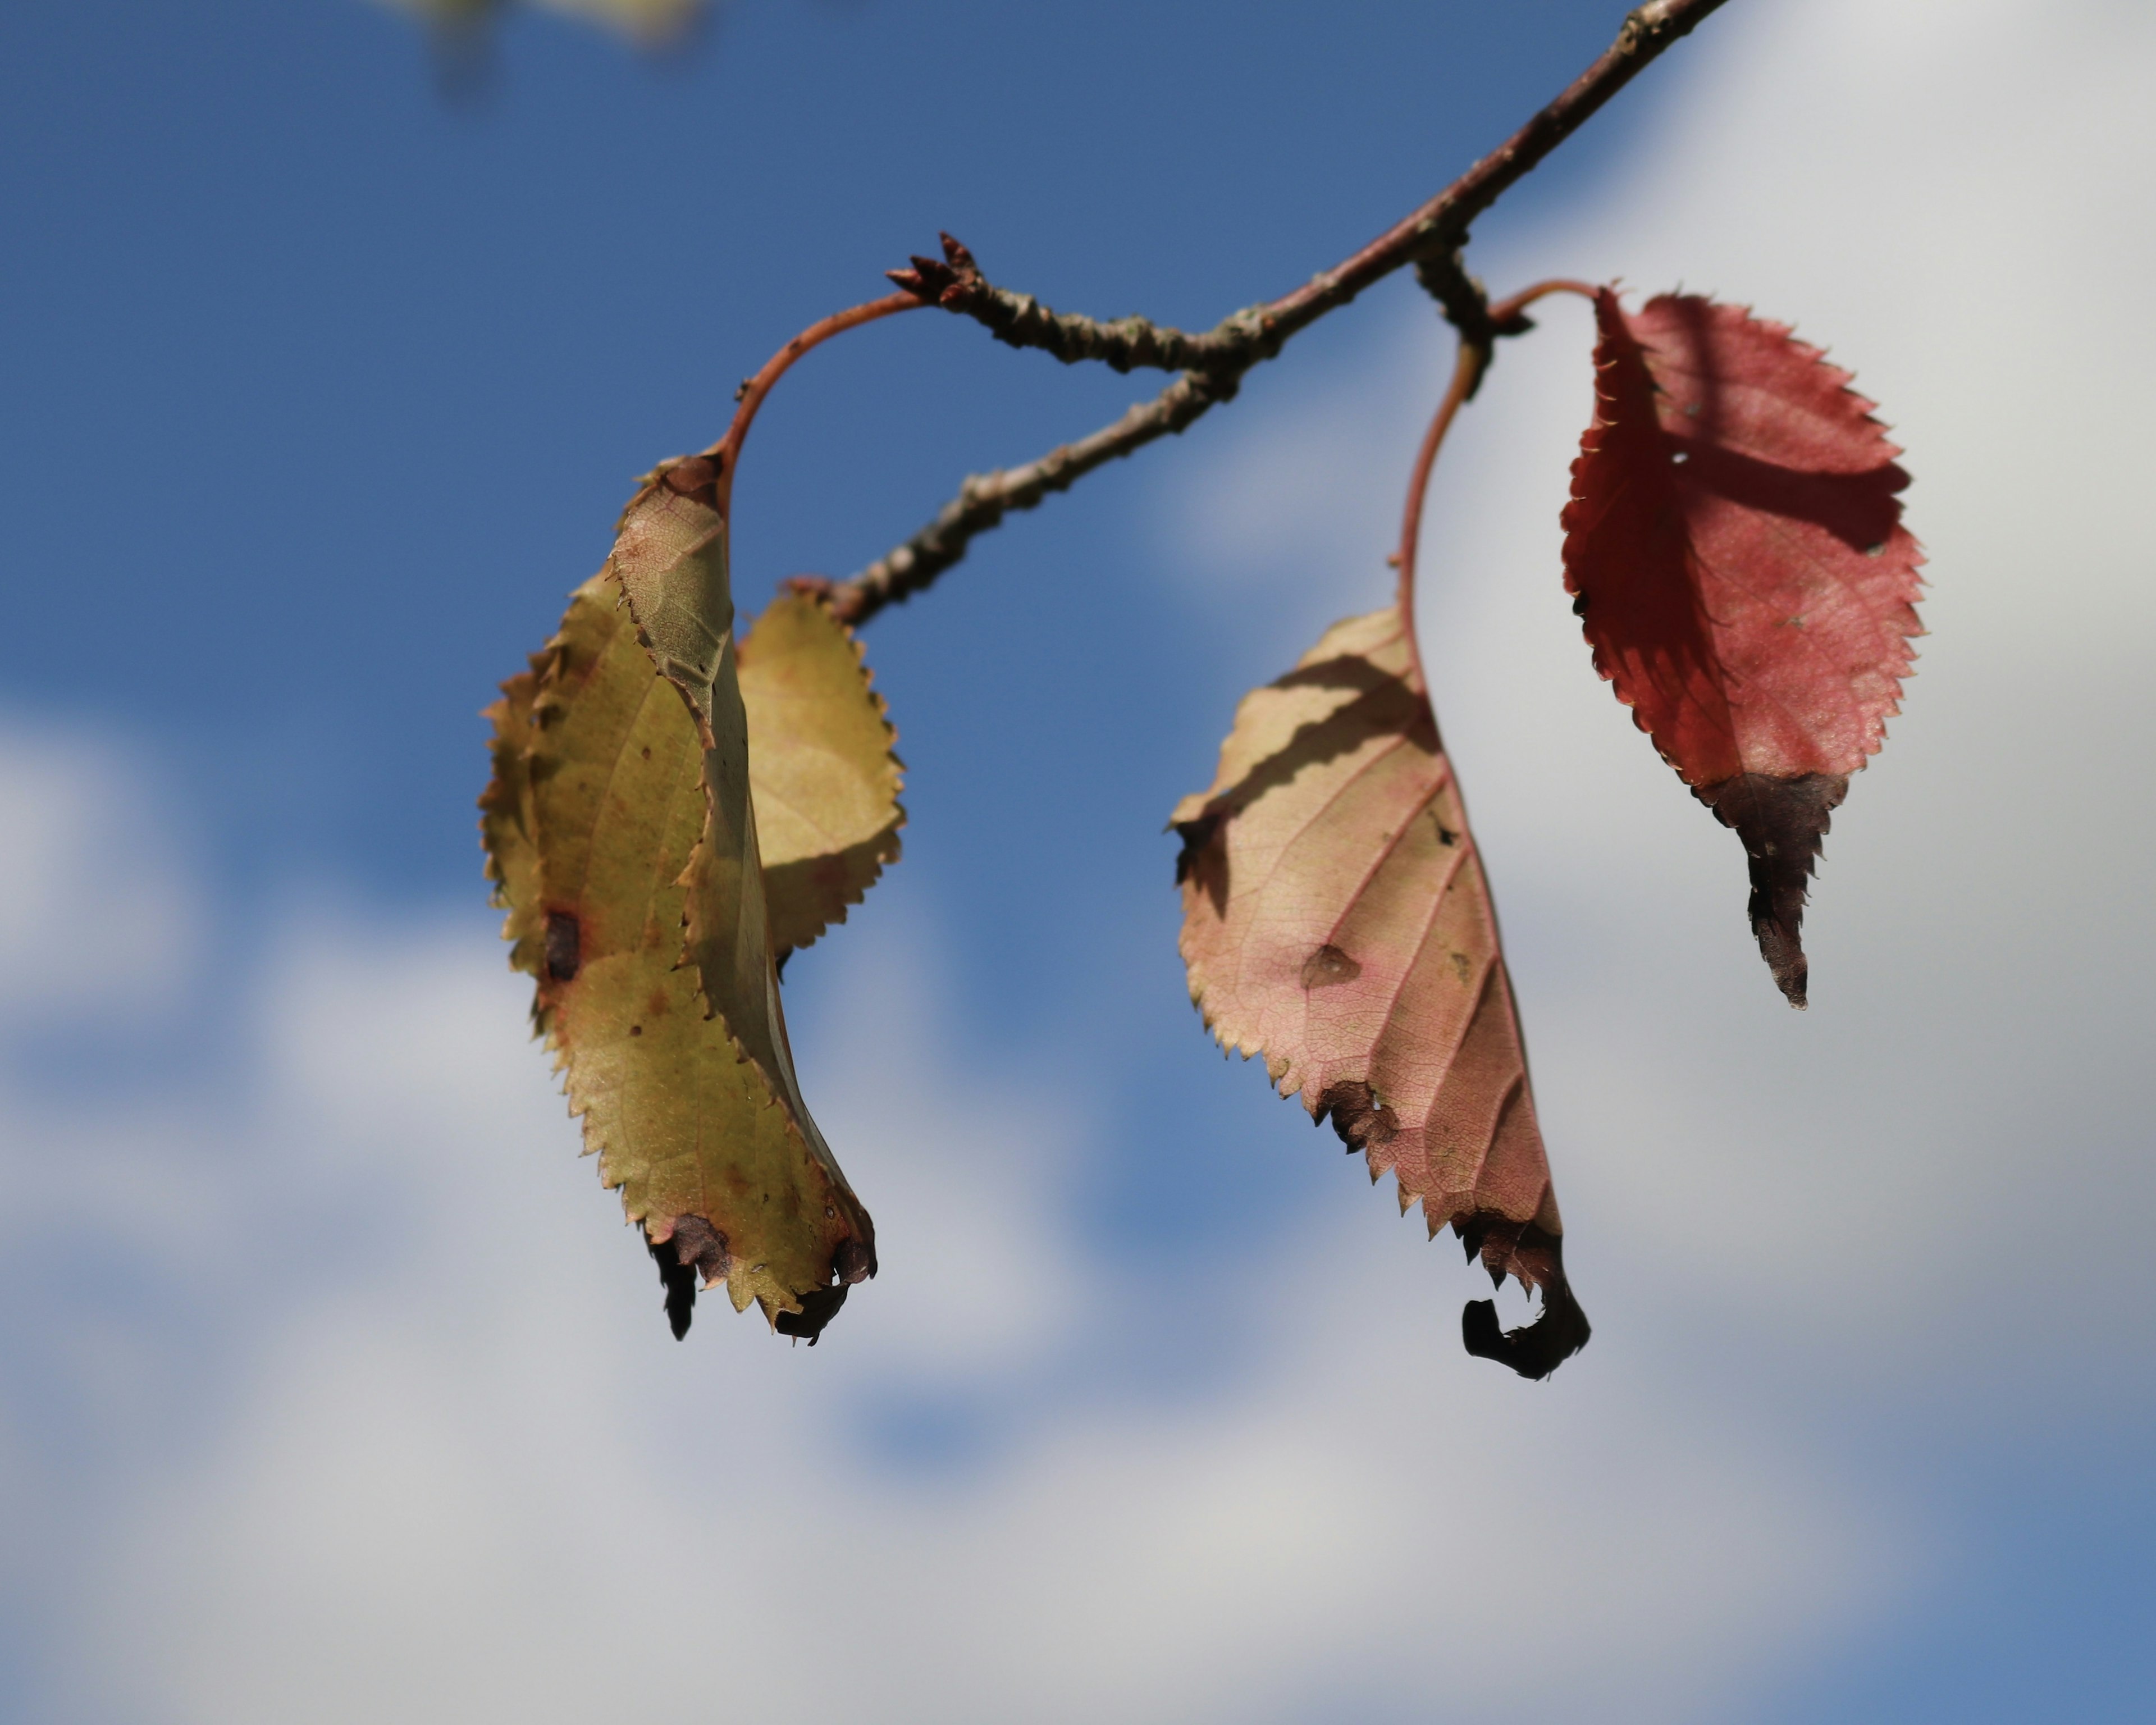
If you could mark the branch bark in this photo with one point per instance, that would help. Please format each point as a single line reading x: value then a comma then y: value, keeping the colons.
x: 1213, y: 364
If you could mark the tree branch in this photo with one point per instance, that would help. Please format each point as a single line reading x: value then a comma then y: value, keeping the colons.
x: 1213, y: 364
x: 957, y: 285
x: 985, y: 498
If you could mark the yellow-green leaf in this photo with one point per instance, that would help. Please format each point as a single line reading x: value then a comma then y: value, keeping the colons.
x: 598, y: 802
x: 670, y: 555
x: 823, y: 778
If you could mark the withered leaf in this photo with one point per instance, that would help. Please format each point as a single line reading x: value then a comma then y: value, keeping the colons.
x: 1735, y: 541
x: 824, y: 780
x: 597, y: 802
x: 505, y: 818
x: 671, y: 556
x: 1335, y: 921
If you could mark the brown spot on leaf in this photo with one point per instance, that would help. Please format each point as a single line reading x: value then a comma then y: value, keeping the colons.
x: 1781, y: 822
x: 694, y: 476
x: 563, y: 946
x: 696, y: 1250
x: 1201, y: 861
x: 697, y: 1243
x: 1328, y: 966
x: 1362, y: 1121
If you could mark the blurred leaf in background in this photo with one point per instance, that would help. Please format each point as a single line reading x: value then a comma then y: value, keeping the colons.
x: 646, y: 20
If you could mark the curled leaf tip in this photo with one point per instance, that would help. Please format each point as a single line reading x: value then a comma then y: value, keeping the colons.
x: 1534, y: 1350
x: 819, y: 1306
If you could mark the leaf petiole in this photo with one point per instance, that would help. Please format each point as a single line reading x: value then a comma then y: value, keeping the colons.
x: 1507, y: 311
x: 1466, y: 373
x: 1505, y: 318
x: 727, y: 450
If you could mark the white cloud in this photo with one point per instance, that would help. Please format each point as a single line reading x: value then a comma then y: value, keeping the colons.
x: 97, y: 916
x: 433, y: 1457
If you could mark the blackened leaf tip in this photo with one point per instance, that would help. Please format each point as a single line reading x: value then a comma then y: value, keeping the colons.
x: 1534, y: 1350
x: 819, y: 1306
x: 679, y: 1280
x: 1781, y: 822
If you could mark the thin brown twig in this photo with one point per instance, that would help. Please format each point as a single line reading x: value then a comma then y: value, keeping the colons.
x: 1442, y: 223
x: 955, y: 283
x: 1214, y: 363
x: 985, y: 498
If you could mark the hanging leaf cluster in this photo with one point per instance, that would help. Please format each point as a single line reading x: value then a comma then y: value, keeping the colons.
x: 1735, y: 550
x: 674, y: 812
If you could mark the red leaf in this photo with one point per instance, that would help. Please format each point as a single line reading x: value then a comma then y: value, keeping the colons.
x: 1734, y: 538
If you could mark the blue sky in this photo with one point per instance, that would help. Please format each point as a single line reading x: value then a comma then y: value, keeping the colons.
x: 330, y: 1386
